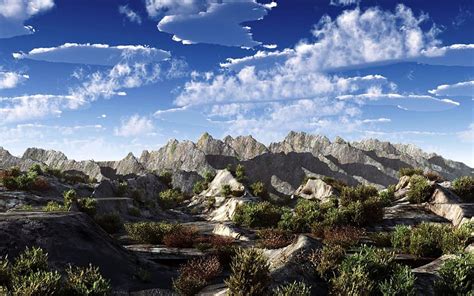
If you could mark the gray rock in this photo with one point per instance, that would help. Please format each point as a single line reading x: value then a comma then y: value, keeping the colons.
x: 185, y: 181
x: 315, y: 189
x: 104, y: 189
x: 446, y: 204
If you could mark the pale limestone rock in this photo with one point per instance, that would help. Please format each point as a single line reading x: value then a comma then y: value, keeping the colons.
x: 315, y: 189
x: 230, y: 231
x: 446, y: 204
x: 223, y: 177
x: 225, y: 212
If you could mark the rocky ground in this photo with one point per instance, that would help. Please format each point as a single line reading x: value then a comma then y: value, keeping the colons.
x: 134, y: 267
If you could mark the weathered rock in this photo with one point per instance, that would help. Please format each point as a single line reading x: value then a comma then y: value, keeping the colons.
x: 230, y: 230
x: 73, y: 237
x: 402, y: 183
x: 426, y: 275
x: 223, y: 177
x: 110, y: 205
x: 125, y: 167
x: 214, y: 290
x: 148, y: 186
x: 446, y: 204
x: 225, y: 211
x: 185, y: 181
x: 104, y: 189
x: 286, y: 264
x: 315, y: 189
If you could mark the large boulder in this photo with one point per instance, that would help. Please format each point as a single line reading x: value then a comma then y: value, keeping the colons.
x: 426, y: 275
x: 185, y: 181
x: 287, y: 264
x: 402, y: 183
x: 73, y: 237
x: 223, y: 177
x: 224, y: 208
x: 448, y: 205
x: 230, y: 230
x: 104, y: 189
x: 315, y: 189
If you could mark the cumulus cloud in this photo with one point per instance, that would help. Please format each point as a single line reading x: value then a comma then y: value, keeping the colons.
x: 11, y: 79
x: 198, y: 21
x: 131, y: 15
x: 134, y: 126
x: 14, y: 13
x: 344, y: 2
x: 96, y: 54
x: 465, y: 88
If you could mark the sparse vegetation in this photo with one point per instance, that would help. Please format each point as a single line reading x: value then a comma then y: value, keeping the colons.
x: 345, y: 236
x: 111, y: 223
x: 433, y: 176
x: 240, y: 173
x: 326, y: 260
x: 86, y: 281
x: 199, y: 187
x: 293, y: 289
x: 464, y: 188
x: 274, y: 238
x: 149, y: 232
x: 170, y: 198
x: 250, y: 274
x: 180, y: 237
x: 14, y: 179
x: 166, y: 178
x: 420, y: 189
x: 258, y: 189
x: 226, y: 190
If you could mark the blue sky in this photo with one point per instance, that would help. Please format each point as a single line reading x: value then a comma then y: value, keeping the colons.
x: 97, y: 79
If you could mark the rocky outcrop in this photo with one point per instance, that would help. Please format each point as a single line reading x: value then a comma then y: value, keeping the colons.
x: 185, y: 181
x: 125, y: 167
x: 223, y: 177
x: 246, y: 147
x: 73, y: 237
x: 315, y: 189
x: 224, y: 208
x: 228, y: 229
x: 446, y: 204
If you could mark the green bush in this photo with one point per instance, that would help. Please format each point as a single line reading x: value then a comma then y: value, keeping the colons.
x: 122, y: 188
x: 326, y: 260
x: 258, y: 189
x: 70, y: 197
x: 111, y: 223
x: 372, y: 271
x: 410, y: 172
x: 359, y: 193
x: 36, y: 168
x: 226, y: 190
x: 387, y: 196
x: 456, y: 276
x: 305, y: 213
x: 425, y: 240
x: 401, y: 238
x: 196, y: 274
x: 240, y: 173
x: 170, y: 198
x: 420, y: 189
x: 86, y: 281
x: 29, y: 261
x: 53, y: 172
x: 87, y: 205
x: 464, y: 188
x: 250, y: 274
x: 260, y: 214
x: 199, y: 187
x: 53, y: 206
x: 38, y: 283
x: 209, y: 176
x: 166, y: 178
x: 149, y: 232
x: 293, y: 289
x: 337, y: 184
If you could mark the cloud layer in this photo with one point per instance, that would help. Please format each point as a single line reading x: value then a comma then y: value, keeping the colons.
x: 95, y: 54
x: 134, y: 126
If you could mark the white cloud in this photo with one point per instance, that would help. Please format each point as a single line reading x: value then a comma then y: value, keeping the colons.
x: 194, y: 21
x: 131, y: 15
x: 377, y: 120
x: 14, y: 13
x: 270, y: 46
x: 11, y: 79
x: 344, y: 2
x: 134, y: 126
x: 465, y: 88
x: 467, y: 136
x: 96, y: 54
x: 25, y: 108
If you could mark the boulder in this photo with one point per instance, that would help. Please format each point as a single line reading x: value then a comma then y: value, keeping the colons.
x: 402, y: 182
x: 448, y: 205
x: 185, y: 181
x: 315, y: 189
x: 104, y: 189
x: 225, y: 210
x: 149, y: 186
x: 109, y: 205
x: 286, y: 264
x: 223, y: 177
x: 426, y: 275
x: 228, y: 229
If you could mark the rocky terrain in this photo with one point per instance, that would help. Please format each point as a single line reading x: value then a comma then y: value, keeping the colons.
x: 235, y: 216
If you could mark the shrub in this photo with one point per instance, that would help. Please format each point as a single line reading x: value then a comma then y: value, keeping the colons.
x: 261, y: 214
x: 209, y: 176
x: 345, y: 236
x: 149, y: 232
x: 122, y: 189
x: 5, y: 273
x: 111, y: 223
x: 464, y: 188
x: 274, y: 238
x: 181, y: 237
x: 86, y: 281
x: 326, y: 260
x: 401, y: 238
x: 433, y: 176
x: 371, y: 271
x: 425, y: 240
x: 170, y: 198
x: 258, y: 189
x: 240, y: 173
x: 134, y: 211
x: 53, y: 172
x: 196, y: 274
x: 36, y: 168
x: 456, y: 276
x: 226, y: 190
x: 372, y: 211
x: 293, y: 289
x: 359, y: 193
x: 38, y: 283
x: 53, y: 206
x: 401, y: 282
x: 420, y: 189
x: 410, y: 172
x: 337, y: 184
x: 381, y: 239
x: 70, y: 197
x: 306, y: 213
x: 40, y: 184
x: 387, y: 196
x: 10, y: 183
x: 87, y: 205
x: 199, y: 187
x: 250, y: 274
x: 29, y: 261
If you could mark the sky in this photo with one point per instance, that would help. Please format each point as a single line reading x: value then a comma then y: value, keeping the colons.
x: 97, y: 79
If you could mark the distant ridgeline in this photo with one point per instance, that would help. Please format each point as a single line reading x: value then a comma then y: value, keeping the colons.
x: 281, y: 166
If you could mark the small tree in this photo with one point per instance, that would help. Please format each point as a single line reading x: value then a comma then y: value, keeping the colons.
x: 258, y: 189
x: 420, y: 189
x: 226, y: 190
x: 240, y: 173
x: 250, y: 274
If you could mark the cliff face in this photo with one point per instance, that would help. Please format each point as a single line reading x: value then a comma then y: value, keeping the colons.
x: 280, y: 165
